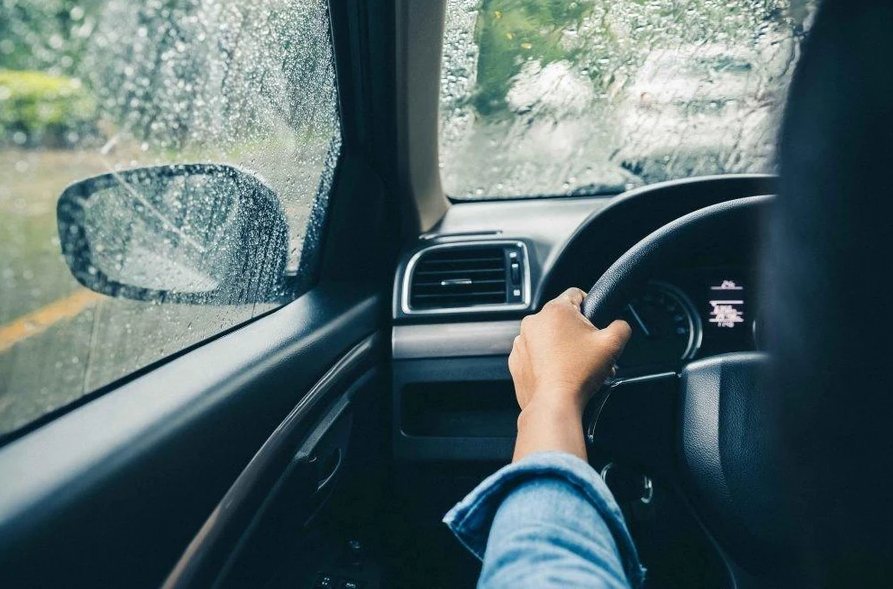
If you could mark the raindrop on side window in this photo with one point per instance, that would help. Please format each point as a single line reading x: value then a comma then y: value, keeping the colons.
x: 99, y: 87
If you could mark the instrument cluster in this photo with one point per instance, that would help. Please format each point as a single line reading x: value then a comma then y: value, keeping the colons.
x: 688, y: 314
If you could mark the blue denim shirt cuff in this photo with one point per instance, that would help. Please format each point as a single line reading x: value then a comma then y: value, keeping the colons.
x: 470, y: 520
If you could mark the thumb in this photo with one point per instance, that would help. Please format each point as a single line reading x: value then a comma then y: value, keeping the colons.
x: 614, y: 338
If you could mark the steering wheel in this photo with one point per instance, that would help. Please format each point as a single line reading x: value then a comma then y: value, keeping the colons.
x: 697, y: 430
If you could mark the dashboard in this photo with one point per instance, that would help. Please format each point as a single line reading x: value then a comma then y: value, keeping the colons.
x: 462, y: 289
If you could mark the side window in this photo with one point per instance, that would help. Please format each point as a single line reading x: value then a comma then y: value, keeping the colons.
x: 164, y: 169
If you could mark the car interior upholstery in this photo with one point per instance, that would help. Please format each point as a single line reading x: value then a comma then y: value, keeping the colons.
x: 327, y: 438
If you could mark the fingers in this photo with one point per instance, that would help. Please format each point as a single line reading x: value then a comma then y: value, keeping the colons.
x: 517, y: 357
x: 574, y: 296
x: 518, y: 368
x: 513, y: 356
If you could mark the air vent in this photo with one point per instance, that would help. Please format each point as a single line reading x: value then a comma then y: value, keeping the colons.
x: 461, y: 276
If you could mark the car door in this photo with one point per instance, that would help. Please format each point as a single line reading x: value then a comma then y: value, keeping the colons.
x: 216, y: 336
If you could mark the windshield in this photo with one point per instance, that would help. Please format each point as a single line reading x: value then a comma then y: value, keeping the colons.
x: 551, y: 98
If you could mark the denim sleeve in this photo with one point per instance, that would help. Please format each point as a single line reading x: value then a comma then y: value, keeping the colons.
x: 548, y: 520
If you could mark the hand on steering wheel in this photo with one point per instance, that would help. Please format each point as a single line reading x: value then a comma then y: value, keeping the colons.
x: 558, y: 362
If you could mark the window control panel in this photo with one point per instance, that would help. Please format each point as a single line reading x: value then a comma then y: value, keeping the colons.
x: 338, y: 565
x: 327, y: 581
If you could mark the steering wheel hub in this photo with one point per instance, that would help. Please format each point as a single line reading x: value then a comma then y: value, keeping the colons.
x: 727, y: 456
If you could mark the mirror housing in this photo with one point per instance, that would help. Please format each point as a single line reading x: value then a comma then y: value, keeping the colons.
x: 191, y: 233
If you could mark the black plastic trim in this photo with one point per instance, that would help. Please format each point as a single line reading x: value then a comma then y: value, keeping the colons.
x: 227, y: 522
x: 572, y: 241
x: 448, y: 448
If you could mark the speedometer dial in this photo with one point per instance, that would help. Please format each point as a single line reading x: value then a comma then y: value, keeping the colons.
x: 666, y: 329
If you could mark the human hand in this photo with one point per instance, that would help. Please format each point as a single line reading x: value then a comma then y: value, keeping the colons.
x: 557, y: 363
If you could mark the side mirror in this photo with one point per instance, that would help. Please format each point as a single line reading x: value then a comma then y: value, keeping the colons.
x: 195, y: 233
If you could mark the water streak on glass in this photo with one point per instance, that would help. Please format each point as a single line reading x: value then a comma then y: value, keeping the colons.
x: 90, y: 87
x: 593, y: 96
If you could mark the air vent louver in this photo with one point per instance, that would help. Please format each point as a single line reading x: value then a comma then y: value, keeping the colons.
x: 465, y: 276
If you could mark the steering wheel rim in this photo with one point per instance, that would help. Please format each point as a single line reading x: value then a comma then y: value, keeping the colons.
x: 718, y: 465
x: 633, y: 269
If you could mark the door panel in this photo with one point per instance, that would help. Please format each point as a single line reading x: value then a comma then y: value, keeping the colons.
x: 286, y: 483
x: 111, y: 493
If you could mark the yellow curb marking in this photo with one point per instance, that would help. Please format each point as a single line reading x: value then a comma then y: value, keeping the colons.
x: 42, y: 319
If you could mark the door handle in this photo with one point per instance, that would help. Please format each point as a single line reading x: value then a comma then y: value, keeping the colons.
x: 327, y: 468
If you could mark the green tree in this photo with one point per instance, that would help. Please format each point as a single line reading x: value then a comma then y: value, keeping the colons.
x: 512, y: 32
x: 48, y: 35
x: 604, y: 38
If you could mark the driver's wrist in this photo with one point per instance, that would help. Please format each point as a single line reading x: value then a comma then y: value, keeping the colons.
x: 556, y: 411
x: 550, y: 426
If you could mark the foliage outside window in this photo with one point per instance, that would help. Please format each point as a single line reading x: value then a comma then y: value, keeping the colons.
x: 93, y: 87
x: 547, y: 97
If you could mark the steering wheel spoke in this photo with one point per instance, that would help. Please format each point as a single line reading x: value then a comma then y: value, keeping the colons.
x: 633, y: 420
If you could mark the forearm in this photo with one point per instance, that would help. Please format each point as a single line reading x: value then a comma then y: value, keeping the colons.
x: 551, y: 427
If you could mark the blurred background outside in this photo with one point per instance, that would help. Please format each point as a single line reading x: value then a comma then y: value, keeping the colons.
x: 92, y: 86
x: 538, y: 98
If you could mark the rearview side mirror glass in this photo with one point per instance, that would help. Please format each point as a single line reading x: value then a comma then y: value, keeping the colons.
x: 195, y: 233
